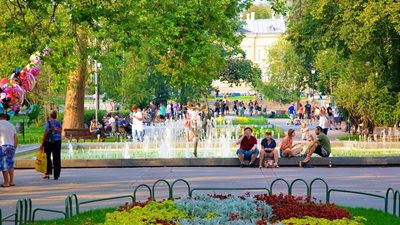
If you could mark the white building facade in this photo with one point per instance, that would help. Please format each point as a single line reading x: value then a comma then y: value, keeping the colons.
x: 260, y: 35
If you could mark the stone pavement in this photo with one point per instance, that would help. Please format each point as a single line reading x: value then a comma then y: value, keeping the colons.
x: 107, y: 182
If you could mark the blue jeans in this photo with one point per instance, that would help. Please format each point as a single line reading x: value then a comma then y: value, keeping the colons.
x: 7, y: 153
x: 138, y: 134
x: 247, y: 153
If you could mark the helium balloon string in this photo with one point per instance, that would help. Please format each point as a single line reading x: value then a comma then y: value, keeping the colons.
x: 265, y: 177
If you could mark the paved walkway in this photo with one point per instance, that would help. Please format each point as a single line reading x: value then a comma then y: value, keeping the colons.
x: 100, y: 183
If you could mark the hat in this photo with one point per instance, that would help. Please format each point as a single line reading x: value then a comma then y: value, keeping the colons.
x: 319, y: 128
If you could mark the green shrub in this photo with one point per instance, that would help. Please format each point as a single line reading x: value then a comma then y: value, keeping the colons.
x: 152, y: 213
x: 88, y: 115
x: 322, y: 221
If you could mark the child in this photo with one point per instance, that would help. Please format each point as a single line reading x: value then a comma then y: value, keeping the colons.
x: 305, y: 132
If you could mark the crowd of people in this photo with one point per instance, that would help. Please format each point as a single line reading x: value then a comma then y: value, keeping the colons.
x: 132, y: 124
x: 239, y: 108
x: 328, y: 118
x: 249, y: 149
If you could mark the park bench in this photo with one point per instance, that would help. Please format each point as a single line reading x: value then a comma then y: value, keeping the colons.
x: 77, y: 134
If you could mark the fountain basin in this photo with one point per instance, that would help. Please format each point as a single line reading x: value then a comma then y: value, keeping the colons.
x: 206, y: 149
x: 215, y: 162
x: 124, y: 154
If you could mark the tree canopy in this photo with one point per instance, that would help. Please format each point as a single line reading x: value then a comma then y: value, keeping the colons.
x: 355, y: 48
x: 142, y: 45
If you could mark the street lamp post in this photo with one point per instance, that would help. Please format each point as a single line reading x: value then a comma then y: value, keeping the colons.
x: 97, y: 89
x: 312, y: 80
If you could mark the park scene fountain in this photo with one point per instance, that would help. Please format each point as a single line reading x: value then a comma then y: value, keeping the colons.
x: 168, y: 141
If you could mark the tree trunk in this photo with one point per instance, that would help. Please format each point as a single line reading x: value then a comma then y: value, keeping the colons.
x: 75, y: 97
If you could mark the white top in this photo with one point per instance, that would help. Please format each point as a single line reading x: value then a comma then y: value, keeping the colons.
x: 323, y: 121
x: 7, y: 132
x: 137, y: 124
x: 336, y: 112
x: 112, y: 120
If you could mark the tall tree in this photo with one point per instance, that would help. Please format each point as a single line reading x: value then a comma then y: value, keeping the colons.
x: 354, y: 45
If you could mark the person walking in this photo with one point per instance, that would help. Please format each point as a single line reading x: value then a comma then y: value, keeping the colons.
x: 324, y: 121
x: 8, y: 142
x: 307, y: 111
x: 51, y: 145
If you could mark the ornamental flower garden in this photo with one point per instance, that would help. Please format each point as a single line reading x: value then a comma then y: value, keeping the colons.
x: 227, y: 209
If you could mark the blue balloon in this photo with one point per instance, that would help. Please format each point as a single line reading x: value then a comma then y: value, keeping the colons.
x: 11, y: 113
x: 1, y: 108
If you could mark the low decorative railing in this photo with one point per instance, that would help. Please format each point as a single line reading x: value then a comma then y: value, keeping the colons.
x: 24, y: 212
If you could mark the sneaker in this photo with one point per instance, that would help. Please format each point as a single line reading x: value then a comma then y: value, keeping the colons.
x: 276, y: 165
x: 251, y: 165
x: 241, y: 165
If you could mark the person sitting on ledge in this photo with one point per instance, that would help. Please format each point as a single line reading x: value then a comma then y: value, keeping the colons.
x: 248, y: 147
x: 288, y: 149
x: 321, y: 146
x: 268, y: 146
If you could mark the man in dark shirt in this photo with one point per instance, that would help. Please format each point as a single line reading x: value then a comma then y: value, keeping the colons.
x: 330, y: 115
x: 307, y: 112
x: 248, y: 147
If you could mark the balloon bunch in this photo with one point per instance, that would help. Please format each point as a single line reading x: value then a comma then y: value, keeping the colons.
x: 12, y: 91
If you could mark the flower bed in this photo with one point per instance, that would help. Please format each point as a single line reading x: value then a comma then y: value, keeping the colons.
x: 228, y: 209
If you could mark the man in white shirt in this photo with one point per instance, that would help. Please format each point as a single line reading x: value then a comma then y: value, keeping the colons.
x: 137, y: 123
x: 8, y: 143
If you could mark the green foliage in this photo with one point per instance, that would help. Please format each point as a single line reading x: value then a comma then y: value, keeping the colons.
x: 322, y: 221
x: 287, y: 76
x: 353, y: 45
x: 88, y: 115
x: 262, y: 11
x: 240, y: 70
x: 152, y: 213
x: 208, y: 210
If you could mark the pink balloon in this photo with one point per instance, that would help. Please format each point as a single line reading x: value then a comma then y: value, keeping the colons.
x: 35, y: 71
x: 29, y: 82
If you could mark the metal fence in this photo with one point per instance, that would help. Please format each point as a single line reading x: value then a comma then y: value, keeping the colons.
x: 24, y: 212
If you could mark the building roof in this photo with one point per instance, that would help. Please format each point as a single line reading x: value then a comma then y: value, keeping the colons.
x: 264, y: 26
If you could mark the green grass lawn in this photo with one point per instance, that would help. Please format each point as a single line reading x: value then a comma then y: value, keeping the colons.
x: 97, y: 216
x: 346, y: 138
x: 34, y: 133
x: 373, y: 216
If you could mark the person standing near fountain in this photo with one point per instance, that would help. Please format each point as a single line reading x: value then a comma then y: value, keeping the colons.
x: 8, y: 142
x: 137, y: 123
x: 248, y: 147
x: 51, y: 144
x: 268, y: 146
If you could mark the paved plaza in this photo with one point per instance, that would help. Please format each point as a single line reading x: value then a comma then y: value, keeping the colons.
x: 108, y: 182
